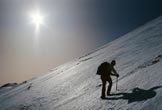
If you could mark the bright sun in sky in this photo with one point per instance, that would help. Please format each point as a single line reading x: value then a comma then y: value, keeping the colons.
x: 37, y: 18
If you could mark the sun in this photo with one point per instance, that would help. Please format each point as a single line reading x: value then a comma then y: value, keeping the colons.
x: 37, y: 19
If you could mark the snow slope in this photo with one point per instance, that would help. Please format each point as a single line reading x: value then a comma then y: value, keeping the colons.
x: 75, y: 86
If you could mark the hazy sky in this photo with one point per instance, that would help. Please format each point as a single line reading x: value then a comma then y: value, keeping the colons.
x: 71, y: 28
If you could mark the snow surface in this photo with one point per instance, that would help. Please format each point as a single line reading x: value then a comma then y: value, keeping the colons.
x: 75, y: 85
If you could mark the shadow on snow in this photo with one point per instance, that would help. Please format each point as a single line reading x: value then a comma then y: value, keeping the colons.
x: 136, y: 95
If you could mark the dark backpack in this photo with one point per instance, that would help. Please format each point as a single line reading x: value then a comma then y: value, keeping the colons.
x: 102, y: 68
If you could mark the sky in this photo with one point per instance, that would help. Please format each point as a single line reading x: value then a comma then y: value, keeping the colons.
x: 70, y: 29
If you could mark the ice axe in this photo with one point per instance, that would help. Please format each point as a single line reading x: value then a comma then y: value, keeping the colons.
x: 116, y: 83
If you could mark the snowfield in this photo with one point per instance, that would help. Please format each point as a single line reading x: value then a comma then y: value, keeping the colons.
x: 75, y: 85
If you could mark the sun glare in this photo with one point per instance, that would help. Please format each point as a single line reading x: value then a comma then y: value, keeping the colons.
x: 37, y: 19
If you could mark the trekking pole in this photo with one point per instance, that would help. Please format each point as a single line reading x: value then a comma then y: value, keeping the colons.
x: 116, y: 83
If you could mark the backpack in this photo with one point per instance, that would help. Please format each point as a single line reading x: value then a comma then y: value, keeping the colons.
x: 102, y: 68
